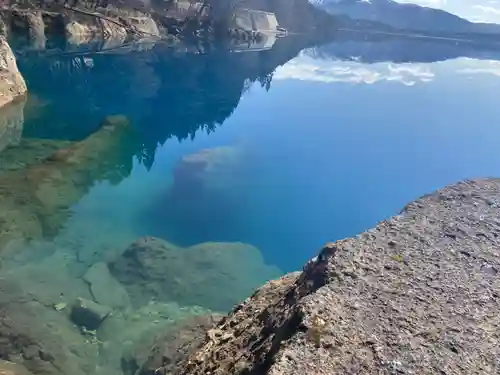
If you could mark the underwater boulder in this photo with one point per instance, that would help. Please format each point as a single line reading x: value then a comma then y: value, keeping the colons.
x: 211, y: 275
x: 127, y: 336
x: 208, y: 188
x: 105, y: 288
x: 10, y: 368
x: 40, y: 338
x: 172, y: 347
x: 88, y: 314
x: 12, y: 84
x: 208, y: 168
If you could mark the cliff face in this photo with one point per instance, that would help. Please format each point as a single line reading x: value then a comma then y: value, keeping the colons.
x: 418, y: 294
x: 12, y: 84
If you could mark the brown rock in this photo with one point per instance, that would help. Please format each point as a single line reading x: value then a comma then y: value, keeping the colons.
x: 418, y: 294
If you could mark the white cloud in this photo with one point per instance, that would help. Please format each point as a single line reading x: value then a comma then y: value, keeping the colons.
x: 306, y: 68
x: 473, y: 67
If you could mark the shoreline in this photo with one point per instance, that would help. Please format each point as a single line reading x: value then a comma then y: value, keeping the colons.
x: 416, y: 294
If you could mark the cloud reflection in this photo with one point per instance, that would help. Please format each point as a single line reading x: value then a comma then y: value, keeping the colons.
x: 306, y: 68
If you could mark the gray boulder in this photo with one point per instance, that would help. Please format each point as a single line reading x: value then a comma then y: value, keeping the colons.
x: 105, y: 289
x: 12, y: 84
x: 418, y: 294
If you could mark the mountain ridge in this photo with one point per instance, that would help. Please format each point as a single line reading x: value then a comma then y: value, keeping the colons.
x: 405, y: 16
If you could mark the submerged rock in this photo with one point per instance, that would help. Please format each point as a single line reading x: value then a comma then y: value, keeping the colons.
x: 88, y: 314
x: 212, y: 275
x: 9, y: 368
x: 40, y: 338
x: 105, y: 288
x: 34, y: 202
x: 170, y: 348
x: 128, y: 336
x: 418, y: 294
x: 204, y: 198
x: 12, y: 84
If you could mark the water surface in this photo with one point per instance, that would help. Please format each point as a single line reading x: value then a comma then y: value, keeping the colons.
x: 283, y: 149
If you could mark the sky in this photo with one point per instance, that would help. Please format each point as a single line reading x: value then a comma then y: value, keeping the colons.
x: 474, y: 10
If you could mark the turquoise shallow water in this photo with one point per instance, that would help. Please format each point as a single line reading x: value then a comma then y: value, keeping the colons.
x: 283, y: 150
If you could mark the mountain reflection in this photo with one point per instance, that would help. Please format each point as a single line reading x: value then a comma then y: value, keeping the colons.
x: 366, y: 47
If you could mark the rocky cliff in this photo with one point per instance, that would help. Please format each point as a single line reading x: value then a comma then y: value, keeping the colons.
x: 12, y: 84
x: 418, y: 294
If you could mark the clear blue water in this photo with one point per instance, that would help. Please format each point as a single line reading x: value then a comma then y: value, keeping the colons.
x: 299, y: 147
x: 331, y: 148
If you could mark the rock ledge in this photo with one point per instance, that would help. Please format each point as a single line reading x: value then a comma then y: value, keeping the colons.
x: 418, y: 294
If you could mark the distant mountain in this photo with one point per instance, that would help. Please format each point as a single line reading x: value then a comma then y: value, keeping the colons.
x: 405, y: 16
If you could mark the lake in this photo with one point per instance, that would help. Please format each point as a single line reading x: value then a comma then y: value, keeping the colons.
x: 283, y: 149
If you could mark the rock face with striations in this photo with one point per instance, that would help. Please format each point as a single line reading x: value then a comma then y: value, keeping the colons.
x: 12, y: 84
x: 418, y: 294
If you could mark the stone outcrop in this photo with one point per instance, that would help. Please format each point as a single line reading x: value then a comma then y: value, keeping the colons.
x: 418, y: 294
x: 12, y: 84
x: 211, y: 275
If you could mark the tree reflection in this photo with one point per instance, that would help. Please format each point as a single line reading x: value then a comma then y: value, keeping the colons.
x: 163, y: 92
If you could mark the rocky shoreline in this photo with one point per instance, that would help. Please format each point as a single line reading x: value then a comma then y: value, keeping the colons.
x: 418, y: 294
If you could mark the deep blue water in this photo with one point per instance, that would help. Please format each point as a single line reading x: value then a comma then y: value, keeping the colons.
x: 320, y: 143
